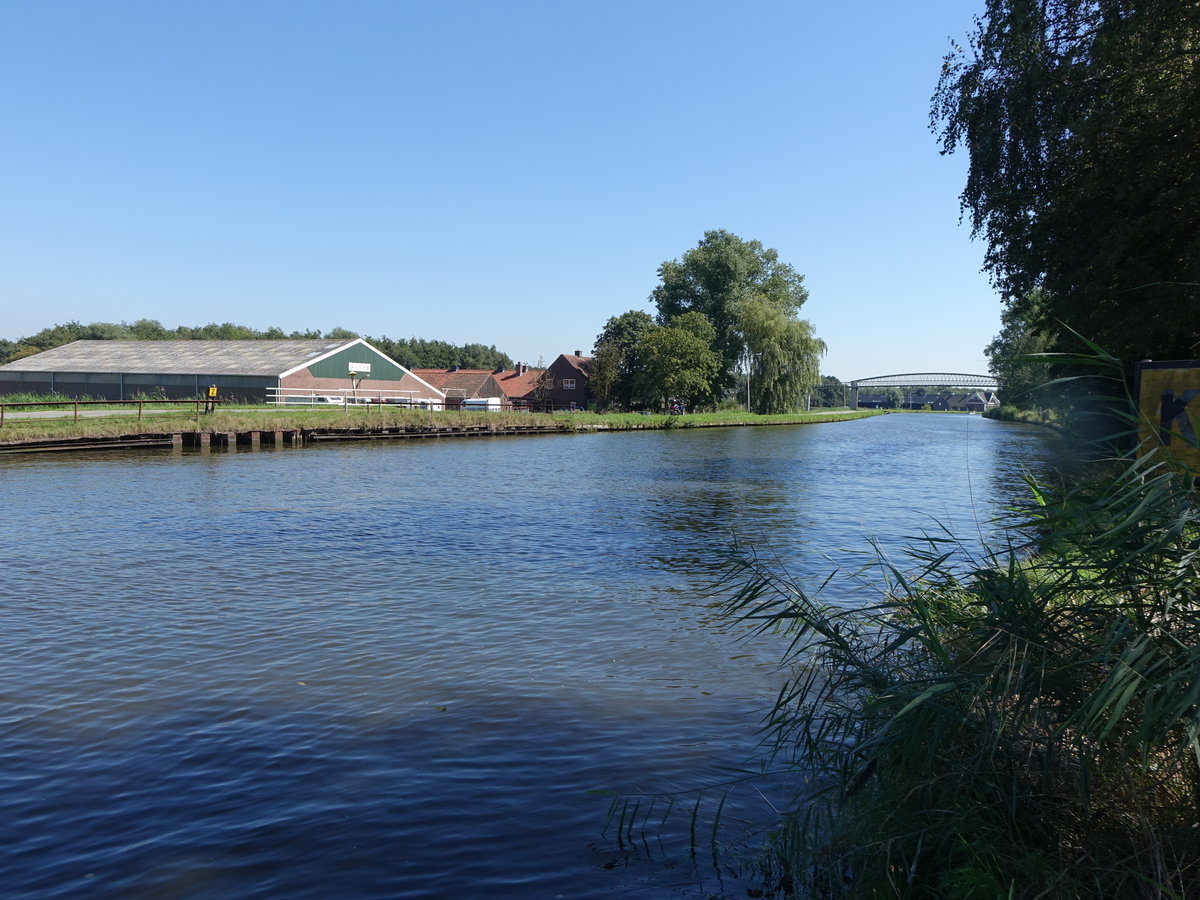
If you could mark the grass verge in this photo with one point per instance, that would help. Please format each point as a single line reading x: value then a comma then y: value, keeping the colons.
x: 122, y: 422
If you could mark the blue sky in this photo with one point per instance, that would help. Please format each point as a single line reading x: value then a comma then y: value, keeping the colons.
x: 509, y: 173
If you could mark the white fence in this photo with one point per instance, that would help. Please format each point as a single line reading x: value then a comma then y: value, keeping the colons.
x: 320, y: 398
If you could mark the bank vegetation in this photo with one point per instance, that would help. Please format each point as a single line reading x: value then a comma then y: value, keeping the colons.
x: 1026, y: 725
x: 121, y: 421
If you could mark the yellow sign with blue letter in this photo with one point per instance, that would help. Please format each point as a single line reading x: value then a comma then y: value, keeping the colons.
x: 1168, y: 395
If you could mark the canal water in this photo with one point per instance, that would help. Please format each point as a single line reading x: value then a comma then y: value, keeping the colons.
x: 414, y: 669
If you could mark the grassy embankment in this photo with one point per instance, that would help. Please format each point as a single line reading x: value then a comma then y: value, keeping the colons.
x: 120, y: 421
x: 1027, y: 729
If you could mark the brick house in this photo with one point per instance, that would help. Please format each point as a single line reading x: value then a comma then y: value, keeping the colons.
x: 565, y: 383
x: 561, y: 386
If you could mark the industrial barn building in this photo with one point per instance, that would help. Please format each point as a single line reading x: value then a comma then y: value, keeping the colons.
x: 249, y: 371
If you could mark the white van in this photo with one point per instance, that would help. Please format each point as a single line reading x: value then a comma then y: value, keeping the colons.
x: 481, y: 404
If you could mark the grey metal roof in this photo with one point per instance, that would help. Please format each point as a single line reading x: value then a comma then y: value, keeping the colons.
x: 264, y: 357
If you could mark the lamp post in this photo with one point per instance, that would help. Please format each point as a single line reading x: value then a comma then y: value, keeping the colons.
x: 749, y: 365
x: 360, y: 371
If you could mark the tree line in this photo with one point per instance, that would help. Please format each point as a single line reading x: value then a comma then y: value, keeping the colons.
x: 727, y: 327
x: 412, y: 353
x: 1079, y: 120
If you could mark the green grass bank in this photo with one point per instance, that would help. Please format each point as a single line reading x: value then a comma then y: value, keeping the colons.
x: 118, y: 422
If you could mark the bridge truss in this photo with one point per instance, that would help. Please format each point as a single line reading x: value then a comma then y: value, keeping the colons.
x: 950, y: 380
x: 930, y: 379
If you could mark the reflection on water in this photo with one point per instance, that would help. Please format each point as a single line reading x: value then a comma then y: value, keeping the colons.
x: 403, y: 670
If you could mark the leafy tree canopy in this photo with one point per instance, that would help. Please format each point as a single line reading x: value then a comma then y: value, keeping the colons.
x: 715, y: 278
x: 829, y: 392
x: 678, y: 361
x: 1079, y: 119
x: 1011, y: 352
x: 418, y: 353
x: 616, y: 363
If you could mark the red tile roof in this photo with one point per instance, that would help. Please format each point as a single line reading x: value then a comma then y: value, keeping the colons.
x: 470, y: 381
x: 517, y: 383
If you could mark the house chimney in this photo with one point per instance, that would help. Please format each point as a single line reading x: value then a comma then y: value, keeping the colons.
x: 497, y: 370
x: 579, y: 353
x: 454, y: 368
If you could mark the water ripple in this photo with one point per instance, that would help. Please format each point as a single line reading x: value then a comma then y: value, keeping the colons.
x: 392, y: 671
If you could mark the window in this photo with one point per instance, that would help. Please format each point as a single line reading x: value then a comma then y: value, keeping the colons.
x: 568, y: 384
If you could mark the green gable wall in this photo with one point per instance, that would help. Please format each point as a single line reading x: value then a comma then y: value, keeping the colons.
x: 337, y: 366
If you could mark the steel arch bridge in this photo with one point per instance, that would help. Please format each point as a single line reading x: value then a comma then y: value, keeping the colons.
x: 956, y: 380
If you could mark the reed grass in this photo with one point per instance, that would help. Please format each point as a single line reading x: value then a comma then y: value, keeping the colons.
x: 1025, y: 728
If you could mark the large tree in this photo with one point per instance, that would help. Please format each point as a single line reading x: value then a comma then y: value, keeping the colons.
x: 717, y: 278
x: 1079, y: 118
x: 829, y: 392
x: 677, y: 361
x: 615, y: 363
x: 1013, y: 354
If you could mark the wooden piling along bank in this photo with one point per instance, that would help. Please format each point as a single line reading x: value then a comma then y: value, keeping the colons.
x: 256, y: 440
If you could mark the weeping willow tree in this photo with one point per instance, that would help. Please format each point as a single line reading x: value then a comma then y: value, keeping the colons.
x: 781, y: 356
